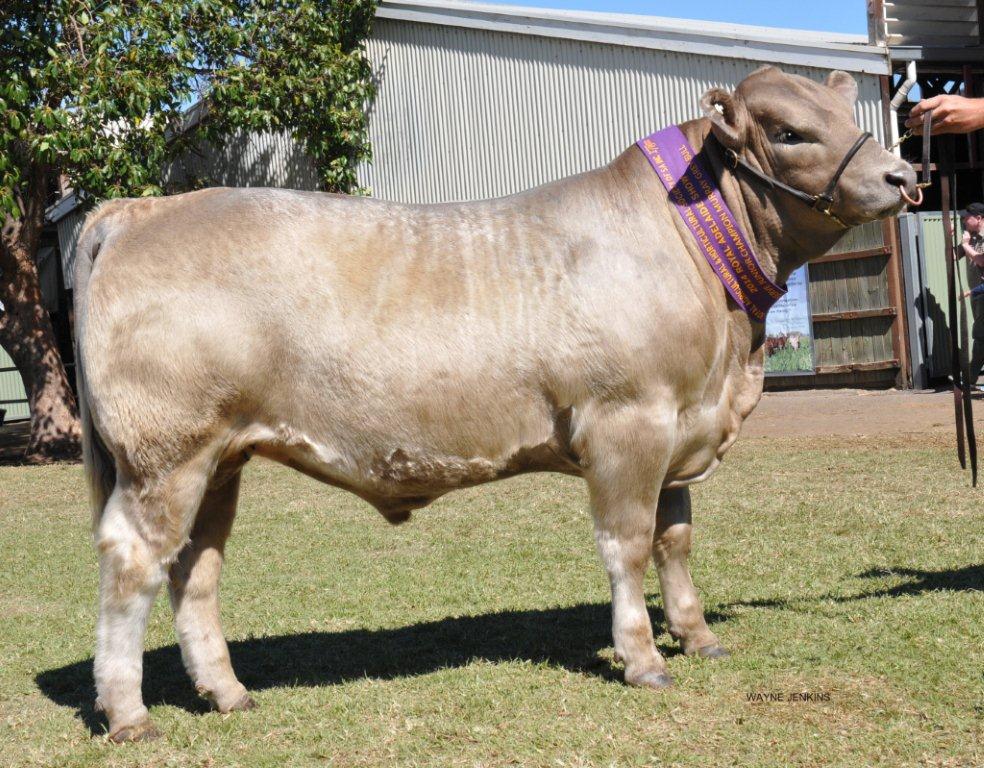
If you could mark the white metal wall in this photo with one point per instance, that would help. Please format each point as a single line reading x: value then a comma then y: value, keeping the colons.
x: 13, y: 398
x: 246, y: 160
x: 468, y: 113
x: 69, y: 229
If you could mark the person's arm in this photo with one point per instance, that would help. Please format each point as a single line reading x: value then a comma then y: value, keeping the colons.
x: 965, y: 249
x: 951, y: 114
x: 977, y: 290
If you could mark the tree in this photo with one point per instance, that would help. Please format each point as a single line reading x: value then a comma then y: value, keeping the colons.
x: 92, y: 94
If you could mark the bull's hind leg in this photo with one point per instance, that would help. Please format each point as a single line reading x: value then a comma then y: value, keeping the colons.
x: 139, y: 533
x: 194, y: 587
x: 624, y: 474
x: 671, y: 548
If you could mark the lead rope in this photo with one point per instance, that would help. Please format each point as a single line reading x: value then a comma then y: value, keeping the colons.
x: 960, y: 373
x: 951, y: 297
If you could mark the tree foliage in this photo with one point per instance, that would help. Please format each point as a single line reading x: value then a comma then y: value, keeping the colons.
x: 94, y: 91
x: 93, y: 95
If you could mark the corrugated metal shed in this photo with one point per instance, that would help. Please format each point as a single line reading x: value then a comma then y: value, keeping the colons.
x: 13, y: 398
x: 466, y: 113
x: 700, y: 38
x: 69, y: 228
x: 246, y: 160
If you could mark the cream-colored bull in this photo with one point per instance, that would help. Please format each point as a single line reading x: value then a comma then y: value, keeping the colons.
x: 403, y: 351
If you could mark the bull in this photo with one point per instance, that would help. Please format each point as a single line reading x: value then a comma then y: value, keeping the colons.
x: 403, y: 351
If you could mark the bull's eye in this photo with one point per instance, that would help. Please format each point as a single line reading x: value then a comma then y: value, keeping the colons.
x: 786, y: 136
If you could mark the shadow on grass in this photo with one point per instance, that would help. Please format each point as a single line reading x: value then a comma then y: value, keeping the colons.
x: 967, y: 579
x: 570, y: 638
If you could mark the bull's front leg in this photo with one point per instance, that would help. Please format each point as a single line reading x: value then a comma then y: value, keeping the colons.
x: 624, y: 469
x: 671, y: 548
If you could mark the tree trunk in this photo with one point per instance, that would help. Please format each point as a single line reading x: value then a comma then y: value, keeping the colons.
x: 27, y: 336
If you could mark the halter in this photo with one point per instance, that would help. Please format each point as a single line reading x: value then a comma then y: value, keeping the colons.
x: 821, y: 202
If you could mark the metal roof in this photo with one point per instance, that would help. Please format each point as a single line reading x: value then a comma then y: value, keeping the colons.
x: 944, y: 32
x: 827, y: 50
x: 931, y: 24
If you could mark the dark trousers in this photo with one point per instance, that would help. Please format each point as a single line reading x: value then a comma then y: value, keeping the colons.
x: 977, y: 335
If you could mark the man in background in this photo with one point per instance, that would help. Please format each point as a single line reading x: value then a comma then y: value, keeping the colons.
x: 972, y: 246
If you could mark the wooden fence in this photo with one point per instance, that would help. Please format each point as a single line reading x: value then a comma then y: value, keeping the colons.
x: 856, y: 304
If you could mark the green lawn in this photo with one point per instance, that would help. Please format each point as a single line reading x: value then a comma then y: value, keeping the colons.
x: 789, y: 359
x: 478, y: 633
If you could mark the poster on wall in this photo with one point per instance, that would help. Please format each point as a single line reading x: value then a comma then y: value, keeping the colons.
x: 789, y: 330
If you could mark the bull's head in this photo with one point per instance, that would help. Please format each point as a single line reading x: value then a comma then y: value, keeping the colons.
x: 798, y: 131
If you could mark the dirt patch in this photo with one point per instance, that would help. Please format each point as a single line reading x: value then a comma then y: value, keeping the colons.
x: 13, y: 442
x: 855, y: 413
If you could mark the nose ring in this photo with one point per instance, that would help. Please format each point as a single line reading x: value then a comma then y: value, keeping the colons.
x: 909, y: 200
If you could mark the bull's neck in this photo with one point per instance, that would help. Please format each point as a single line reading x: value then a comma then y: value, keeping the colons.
x: 780, y: 245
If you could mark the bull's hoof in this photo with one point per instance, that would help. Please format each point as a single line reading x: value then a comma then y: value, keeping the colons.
x: 715, y: 651
x: 243, y: 704
x: 142, y: 731
x: 652, y: 679
x: 226, y: 704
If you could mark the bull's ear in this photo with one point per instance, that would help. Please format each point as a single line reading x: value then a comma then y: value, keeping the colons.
x: 844, y: 84
x: 727, y: 117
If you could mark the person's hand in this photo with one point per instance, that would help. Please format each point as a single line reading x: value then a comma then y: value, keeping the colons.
x: 965, y: 295
x: 951, y: 114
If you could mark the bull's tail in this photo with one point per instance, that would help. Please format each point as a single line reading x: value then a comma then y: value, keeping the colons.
x: 100, y: 467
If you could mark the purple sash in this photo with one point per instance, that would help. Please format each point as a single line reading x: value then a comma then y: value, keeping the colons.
x: 693, y: 191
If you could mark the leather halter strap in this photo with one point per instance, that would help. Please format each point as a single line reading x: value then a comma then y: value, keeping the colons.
x: 821, y: 202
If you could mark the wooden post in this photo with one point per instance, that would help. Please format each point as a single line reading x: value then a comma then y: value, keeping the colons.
x: 970, y: 92
x: 876, y: 22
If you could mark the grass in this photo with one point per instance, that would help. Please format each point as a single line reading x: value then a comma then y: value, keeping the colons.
x: 789, y: 359
x: 478, y: 634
